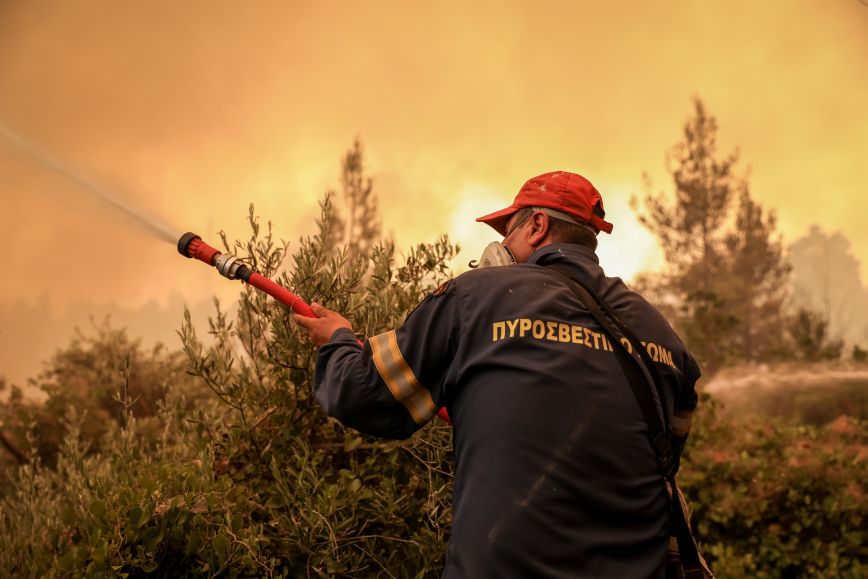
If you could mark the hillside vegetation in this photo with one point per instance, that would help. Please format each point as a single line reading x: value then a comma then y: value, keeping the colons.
x: 249, y: 478
x: 214, y: 460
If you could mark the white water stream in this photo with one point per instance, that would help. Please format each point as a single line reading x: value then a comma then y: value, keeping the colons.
x: 139, y: 216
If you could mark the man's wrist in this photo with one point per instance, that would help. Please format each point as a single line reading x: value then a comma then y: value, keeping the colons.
x: 336, y: 334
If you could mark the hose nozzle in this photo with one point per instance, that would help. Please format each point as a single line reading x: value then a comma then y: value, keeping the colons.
x: 191, y: 245
x: 229, y: 266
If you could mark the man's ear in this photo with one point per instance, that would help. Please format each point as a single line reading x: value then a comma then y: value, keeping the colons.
x: 539, y: 229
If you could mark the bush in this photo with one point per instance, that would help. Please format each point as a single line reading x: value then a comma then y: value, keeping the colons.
x: 775, y: 500
x: 256, y: 481
x: 97, y: 374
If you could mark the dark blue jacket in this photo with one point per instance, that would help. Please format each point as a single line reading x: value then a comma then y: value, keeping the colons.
x: 554, y: 472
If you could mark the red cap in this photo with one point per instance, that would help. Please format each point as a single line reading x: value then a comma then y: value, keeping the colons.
x: 560, y: 190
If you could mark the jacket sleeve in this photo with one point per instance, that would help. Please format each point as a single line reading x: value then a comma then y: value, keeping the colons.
x: 685, y: 405
x: 396, y: 381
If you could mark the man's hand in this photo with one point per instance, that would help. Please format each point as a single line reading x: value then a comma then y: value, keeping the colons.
x: 321, y: 328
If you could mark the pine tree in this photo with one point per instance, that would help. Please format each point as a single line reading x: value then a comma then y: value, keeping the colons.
x: 809, y: 334
x: 757, y: 281
x: 689, y: 231
x: 360, y: 227
x: 722, y: 286
x: 689, y: 228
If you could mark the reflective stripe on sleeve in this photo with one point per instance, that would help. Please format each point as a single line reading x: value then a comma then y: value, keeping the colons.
x: 681, y: 422
x: 400, y: 379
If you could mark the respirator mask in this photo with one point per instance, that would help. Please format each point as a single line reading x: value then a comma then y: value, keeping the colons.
x: 495, y: 253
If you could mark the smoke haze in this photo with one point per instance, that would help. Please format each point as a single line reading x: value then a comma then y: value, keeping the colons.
x: 193, y: 110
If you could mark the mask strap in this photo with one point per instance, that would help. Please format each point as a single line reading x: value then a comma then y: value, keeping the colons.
x: 564, y: 217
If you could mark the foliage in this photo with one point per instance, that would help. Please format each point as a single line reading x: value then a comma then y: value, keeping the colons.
x: 757, y: 287
x: 689, y: 228
x: 256, y: 481
x: 338, y: 503
x: 809, y: 335
x: 253, y: 480
x: 360, y: 228
x: 91, y: 375
x: 126, y: 510
x: 725, y: 270
x: 776, y: 500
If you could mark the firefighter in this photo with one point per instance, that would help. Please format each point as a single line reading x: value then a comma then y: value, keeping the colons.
x: 554, y: 474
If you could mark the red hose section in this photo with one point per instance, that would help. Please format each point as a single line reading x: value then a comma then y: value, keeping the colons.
x: 281, y: 294
x: 299, y: 306
x: 200, y: 250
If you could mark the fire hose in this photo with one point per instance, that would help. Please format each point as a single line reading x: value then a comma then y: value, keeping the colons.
x: 229, y: 266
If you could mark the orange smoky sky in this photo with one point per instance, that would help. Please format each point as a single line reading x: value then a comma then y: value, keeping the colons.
x: 192, y: 110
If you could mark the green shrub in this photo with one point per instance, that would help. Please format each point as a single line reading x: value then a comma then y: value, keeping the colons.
x: 256, y: 481
x: 775, y: 500
x: 91, y: 375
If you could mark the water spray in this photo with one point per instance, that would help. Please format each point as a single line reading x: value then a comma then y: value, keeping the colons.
x: 137, y: 215
x: 190, y: 244
x: 229, y: 266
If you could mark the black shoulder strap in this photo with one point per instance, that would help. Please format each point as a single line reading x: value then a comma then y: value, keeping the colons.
x: 647, y: 388
x: 637, y: 370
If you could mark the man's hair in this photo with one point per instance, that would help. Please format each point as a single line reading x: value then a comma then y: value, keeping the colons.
x: 565, y: 232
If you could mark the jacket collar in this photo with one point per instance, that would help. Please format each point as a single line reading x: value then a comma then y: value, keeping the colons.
x: 556, y: 252
x: 581, y: 260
